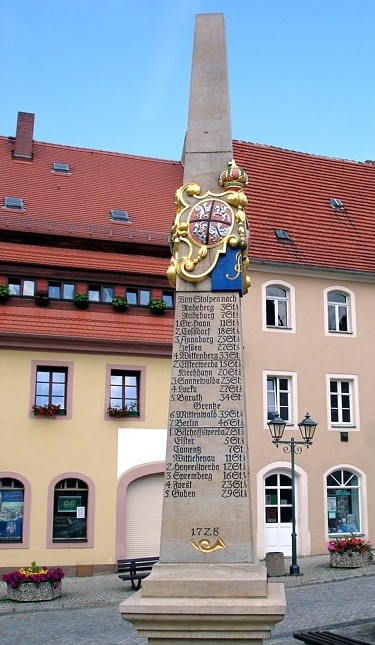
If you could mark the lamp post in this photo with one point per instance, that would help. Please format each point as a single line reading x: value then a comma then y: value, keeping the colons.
x: 307, y: 428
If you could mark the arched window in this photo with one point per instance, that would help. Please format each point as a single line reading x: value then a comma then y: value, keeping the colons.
x: 70, y: 511
x: 339, y: 319
x: 12, y: 495
x: 277, y: 306
x: 343, y: 502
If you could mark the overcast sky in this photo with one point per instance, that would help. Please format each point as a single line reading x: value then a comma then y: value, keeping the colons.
x: 115, y: 74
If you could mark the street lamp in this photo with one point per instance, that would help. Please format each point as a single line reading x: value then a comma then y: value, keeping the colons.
x: 307, y: 428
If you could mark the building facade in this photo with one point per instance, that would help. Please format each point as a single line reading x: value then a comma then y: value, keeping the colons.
x: 81, y: 483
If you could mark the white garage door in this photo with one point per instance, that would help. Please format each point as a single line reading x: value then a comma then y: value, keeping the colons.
x: 143, y: 511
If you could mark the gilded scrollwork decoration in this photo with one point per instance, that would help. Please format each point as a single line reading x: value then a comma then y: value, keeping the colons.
x: 210, y: 235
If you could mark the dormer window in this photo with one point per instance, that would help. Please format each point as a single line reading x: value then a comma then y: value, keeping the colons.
x: 62, y: 168
x: 281, y: 234
x: 337, y: 204
x: 14, y: 203
x: 119, y: 216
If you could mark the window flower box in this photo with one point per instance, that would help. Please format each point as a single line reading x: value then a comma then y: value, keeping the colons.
x: 49, y: 410
x: 120, y: 413
x: 34, y: 584
x: 157, y: 306
x: 41, y: 299
x: 120, y: 304
x: 81, y: 300
x: 4, y: 293
x: 350, y: 552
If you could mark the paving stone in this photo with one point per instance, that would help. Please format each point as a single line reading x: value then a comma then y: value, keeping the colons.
x: 87, y: 612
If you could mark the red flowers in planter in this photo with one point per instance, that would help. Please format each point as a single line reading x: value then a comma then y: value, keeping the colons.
x: 120, y: 413
x: 350, y: 545
x: 49, y: 410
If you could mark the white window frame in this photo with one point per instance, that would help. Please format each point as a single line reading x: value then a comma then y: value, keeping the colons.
x: 350, y: 296
x: 293, y: 401
x: 354, y: 406
x: 289, y: 288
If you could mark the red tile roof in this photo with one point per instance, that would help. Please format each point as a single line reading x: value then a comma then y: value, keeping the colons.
x: 70, y: 328
x: 28, y: 255
x: 291, y: 191
x: 79, y: 204
x: 288, y: 190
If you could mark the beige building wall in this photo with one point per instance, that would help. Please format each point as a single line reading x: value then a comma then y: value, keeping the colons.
x: 311, y: 354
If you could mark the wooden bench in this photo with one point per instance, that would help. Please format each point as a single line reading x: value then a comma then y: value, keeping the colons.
x: 135, y: 569
x: 326, y: 638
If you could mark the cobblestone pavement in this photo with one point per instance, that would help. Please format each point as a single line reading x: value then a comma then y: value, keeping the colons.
x: 87, y: 612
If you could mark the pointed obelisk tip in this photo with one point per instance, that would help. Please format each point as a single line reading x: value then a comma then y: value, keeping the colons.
x: 208, y: 144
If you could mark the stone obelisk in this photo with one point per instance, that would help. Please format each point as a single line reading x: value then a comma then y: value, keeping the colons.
x: 208, y: 584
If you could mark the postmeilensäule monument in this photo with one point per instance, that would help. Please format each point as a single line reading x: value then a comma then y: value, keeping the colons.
x: 208, y: 585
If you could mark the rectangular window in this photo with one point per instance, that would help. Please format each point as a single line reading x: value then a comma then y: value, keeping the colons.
x: 51, y: 387
x: 61, y: 290
x: 98, y: 293
x: 15, y: 203
x: 124, y: 390
x: 67, y: 291
x: 168, y: 298
x: 140, y: 297
x: 132, y: 296
x: 341, y: 403
x: 279, y: 398
x: 144, y: 297
x: 21, y: 287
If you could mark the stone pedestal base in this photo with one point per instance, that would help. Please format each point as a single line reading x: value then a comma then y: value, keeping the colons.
x: 189, y: 621
x: 189, y: 580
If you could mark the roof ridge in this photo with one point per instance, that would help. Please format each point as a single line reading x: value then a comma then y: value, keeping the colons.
x: 300, y: 152
x: 97, y: 150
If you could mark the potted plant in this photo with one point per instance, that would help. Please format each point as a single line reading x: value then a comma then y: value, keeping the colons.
x: 34, y: 583
x: 41, y: 298
x: 121, y: 412
x: 120, y: 304
x: 4, y: 293
x: 157, y: 306
x: 81, y: 300
x: 46, y: 410
x: 350, y: 552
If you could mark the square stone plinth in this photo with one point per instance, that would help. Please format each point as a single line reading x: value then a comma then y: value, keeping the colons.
x: 188, y: 580
x: 218, y: 620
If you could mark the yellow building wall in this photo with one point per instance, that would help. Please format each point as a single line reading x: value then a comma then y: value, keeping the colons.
x: 41, y: 448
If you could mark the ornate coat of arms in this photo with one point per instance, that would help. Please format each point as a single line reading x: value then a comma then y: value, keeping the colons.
x: 210, y: 234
